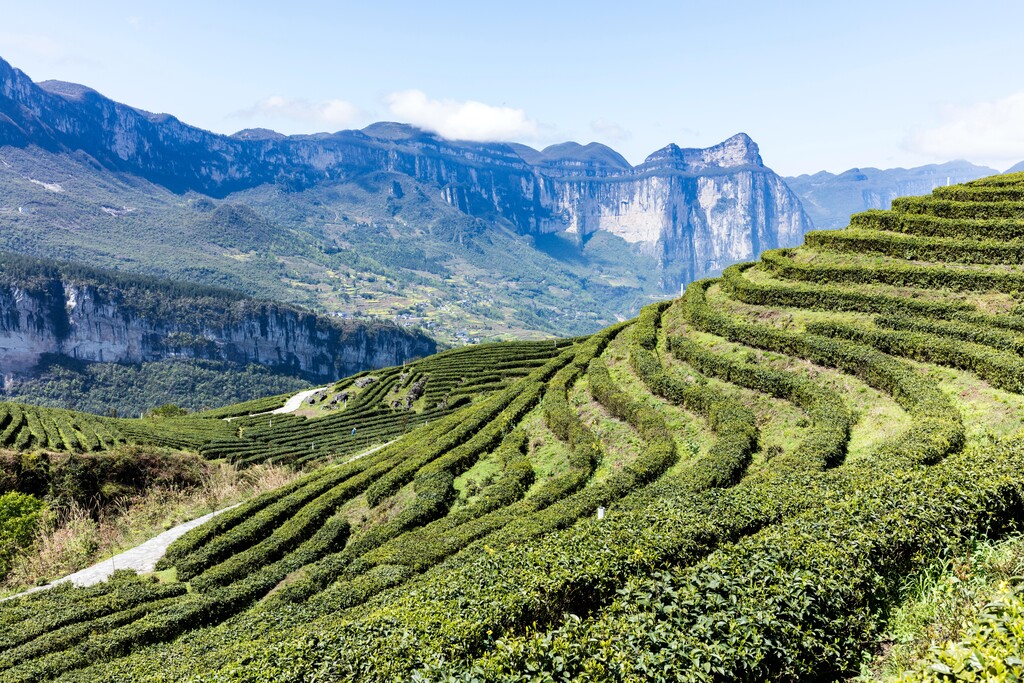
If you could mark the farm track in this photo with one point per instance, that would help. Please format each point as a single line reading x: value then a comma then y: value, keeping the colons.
x: 140, y: 559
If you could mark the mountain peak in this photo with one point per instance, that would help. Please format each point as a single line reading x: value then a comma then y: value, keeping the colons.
x: 258, y: 134
x: 735, y: 152
x: 573, y: 157
x: 743, y: 149
x: 392, y: 130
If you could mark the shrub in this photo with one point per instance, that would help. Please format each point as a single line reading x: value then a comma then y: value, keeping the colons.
x: 19, y: 519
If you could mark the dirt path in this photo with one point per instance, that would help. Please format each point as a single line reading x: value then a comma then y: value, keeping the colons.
x: 365, y: 453
x: 142, y: 558
x: 292, y: 404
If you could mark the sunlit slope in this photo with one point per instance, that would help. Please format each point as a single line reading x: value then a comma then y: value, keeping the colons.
x: 774, y: 451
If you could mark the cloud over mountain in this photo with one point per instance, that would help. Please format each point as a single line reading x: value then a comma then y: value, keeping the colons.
x: 462, y: 120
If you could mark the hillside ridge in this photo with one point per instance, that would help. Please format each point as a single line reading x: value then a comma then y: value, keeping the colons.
x: 830, y: 198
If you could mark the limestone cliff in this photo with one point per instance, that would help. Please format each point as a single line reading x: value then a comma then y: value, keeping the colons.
x: 133, y: 323
x: 696, y: 210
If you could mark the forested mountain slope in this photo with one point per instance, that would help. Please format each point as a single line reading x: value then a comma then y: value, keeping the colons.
x: 57, y: 317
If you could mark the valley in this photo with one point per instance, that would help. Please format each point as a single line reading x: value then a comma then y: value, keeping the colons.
x: 117, y: 343
x: 471, y: 241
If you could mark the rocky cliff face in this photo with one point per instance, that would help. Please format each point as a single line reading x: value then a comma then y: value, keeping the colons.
x: 697, y: 210
x: 97, y: 323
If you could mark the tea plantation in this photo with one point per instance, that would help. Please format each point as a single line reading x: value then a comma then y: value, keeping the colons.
x: 731, y: 486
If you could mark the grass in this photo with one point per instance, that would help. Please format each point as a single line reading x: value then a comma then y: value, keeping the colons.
x: 988, y: 413
x: 690, y: 432
x: 879, y: 418
x: 166, y: 576
x: 471, y: 483
x: 548, y: 456
x: 989, y: 302
x: 781, y: 425
x: 937, y: 604
x: 621, y: 442
x: 362, y: 517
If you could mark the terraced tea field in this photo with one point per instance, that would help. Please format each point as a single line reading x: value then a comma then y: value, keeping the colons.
x: 730, y: 487
x: 249, y: 432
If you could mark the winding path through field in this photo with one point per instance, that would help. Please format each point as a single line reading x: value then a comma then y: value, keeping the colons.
x: 142, y: 558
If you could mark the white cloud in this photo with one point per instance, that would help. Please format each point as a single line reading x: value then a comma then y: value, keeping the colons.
x: 337, y: 113
x: 609, y: 130
x: 985, y: 131
x: 468, y: 120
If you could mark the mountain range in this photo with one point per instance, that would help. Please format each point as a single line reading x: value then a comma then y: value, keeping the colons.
x: 456, y: 234
x: 831, y: 198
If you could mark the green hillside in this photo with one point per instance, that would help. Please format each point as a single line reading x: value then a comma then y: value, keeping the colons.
x: 775, y: 454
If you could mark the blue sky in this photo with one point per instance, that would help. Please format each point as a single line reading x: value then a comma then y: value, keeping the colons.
x: 819, y: 85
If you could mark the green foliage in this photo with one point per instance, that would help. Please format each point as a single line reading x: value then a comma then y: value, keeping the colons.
x: 733, y: 423
x: 167, y: 410
x: 947, y: 208
x: 94, y: 480
x: 139, y: 293
x: 59, y: 629
x: 991, y: 651
x: 933, y: 226
x: 784, y: 602
x: 260, y: 525
x: 1009, y: 192
x: 831, y: 420
x: 939, y: 429
x: 780, y: 263
x: 26, y: 427
x: 19, y: 517
x: 201, y: 535
x: 913, y: 248
x: 999, y: 368
x: 830, y: 298
x: 976, y: 332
